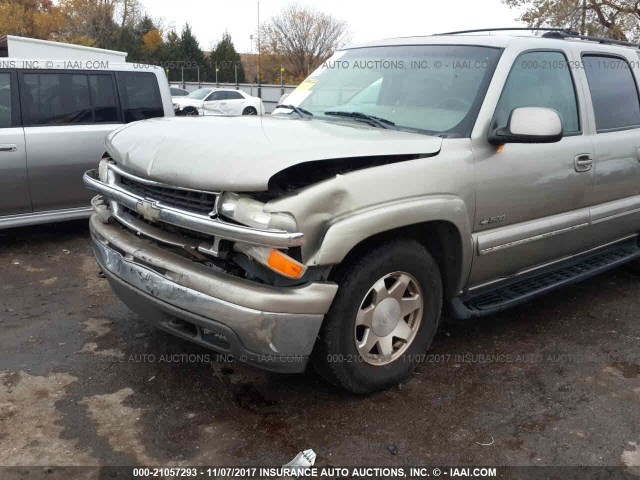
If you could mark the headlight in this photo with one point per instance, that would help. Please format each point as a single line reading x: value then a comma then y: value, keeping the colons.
x: 250, y: 212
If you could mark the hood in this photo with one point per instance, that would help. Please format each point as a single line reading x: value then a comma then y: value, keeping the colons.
x: 242, y: 153
x: 187, y: 102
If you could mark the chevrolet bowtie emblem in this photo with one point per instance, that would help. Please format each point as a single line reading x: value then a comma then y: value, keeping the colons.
x: 148, y: 210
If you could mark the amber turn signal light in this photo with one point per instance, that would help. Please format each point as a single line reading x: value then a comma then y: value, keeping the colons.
x: 284, y: 265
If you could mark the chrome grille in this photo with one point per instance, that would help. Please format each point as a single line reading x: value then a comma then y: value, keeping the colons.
x: 193, y: 201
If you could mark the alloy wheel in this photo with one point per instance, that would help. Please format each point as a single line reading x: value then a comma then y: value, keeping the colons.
x: 389, y: 318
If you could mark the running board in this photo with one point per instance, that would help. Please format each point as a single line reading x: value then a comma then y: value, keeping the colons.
x: 523, y: 290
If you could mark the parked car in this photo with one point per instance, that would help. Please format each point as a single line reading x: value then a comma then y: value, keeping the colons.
x: 461, y: 172
x: 218, y: 101
x: 178, y: 92
x: 54, y: 117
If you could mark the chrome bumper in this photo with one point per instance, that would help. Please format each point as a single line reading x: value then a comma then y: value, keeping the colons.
x: 275, y: 328
x: 156, y: 211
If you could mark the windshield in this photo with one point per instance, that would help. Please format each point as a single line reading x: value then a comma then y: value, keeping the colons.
x: 200, y: 94
x: 434, y: 89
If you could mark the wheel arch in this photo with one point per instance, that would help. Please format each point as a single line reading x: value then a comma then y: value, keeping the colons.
x: 447, y: 236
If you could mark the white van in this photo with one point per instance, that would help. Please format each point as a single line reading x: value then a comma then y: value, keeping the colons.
x: 57, y: 104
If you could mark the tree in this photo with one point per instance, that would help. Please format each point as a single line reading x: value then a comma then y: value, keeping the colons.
x: 190, y: 52
x: 152, y: 42
x: 170, y: 52
x: 617, y: 19
x: 31, y: 18
x: 89, y: 22
x: 302, y: 37
x: 225, y: 57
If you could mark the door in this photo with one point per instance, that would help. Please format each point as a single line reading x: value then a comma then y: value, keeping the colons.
x: 532, y: 199
x: 615, y: 197
x: 14, y: 187
x: 236, y: 103
x: 215, y: 103
x: 66, y: 116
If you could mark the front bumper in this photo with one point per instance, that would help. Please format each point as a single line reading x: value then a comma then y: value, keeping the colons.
x: 273, y: 328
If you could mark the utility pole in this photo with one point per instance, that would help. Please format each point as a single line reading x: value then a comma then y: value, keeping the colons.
x: 259, y: 79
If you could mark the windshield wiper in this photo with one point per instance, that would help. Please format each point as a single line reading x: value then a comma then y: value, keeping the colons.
x: 300, y: 111
x: 377, y: 121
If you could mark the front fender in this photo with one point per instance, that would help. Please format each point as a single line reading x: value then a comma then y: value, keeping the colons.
x: 348, y: 231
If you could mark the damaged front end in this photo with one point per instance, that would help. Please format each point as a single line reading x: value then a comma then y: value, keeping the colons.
x: 212, y: 267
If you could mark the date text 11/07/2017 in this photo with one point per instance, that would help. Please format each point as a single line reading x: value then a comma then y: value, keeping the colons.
x: 315, y: 472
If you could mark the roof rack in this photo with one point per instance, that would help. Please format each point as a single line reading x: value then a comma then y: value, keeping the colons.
x: 560, y: 33
x: 590, y: 38
x: 508, y: 29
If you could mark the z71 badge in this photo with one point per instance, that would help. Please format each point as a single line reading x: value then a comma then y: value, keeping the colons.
x: 492, y: 220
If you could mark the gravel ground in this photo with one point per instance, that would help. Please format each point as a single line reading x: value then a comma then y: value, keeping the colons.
x: 84, y: 382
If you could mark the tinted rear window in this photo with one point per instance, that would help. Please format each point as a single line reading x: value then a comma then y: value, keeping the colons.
x: 140, y: 95
x: 234, y: 96
x: 613, y: 92
x: 55, y: 99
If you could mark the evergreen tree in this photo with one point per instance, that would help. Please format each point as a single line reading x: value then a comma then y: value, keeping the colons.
x: 190, y: 52
x: 170, y: 55
x: 226, y: 59
x: 132, y: 39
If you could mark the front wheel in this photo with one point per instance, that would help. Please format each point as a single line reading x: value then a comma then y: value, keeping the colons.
x: 383, y: 318
x: 249, y: 111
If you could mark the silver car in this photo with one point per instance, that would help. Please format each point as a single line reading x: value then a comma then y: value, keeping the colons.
x: 466, y: 173
x: 53, y: 124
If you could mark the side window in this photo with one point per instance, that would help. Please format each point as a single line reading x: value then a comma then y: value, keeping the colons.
x: 234, y: 96
x: 140, y: 95
x: 540, y: 79
x: 5, y: 100
x: 614, y: 93
x: 103, y: 96
x: 55, y: 99
x: 215, y: 96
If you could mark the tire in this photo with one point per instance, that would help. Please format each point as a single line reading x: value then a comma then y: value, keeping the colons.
x: 249, y: 111
x: 191, y: 112
x: 359, y: 368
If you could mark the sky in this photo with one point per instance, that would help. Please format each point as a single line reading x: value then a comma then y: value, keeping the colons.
x: 367, y: 20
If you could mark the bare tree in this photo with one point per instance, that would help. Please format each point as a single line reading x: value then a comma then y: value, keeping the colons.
x: 618, y: 19
x: 303, y: 38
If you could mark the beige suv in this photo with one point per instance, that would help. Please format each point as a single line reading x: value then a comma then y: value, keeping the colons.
x: 468, y: 171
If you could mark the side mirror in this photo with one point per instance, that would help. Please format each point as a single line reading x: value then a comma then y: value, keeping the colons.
x: 529, y: 125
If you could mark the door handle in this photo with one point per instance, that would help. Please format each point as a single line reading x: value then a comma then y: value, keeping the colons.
x: 8, y: 147
x: 583, y: 162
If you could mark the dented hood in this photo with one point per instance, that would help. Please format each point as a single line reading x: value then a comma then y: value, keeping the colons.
x: 243, y: 153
